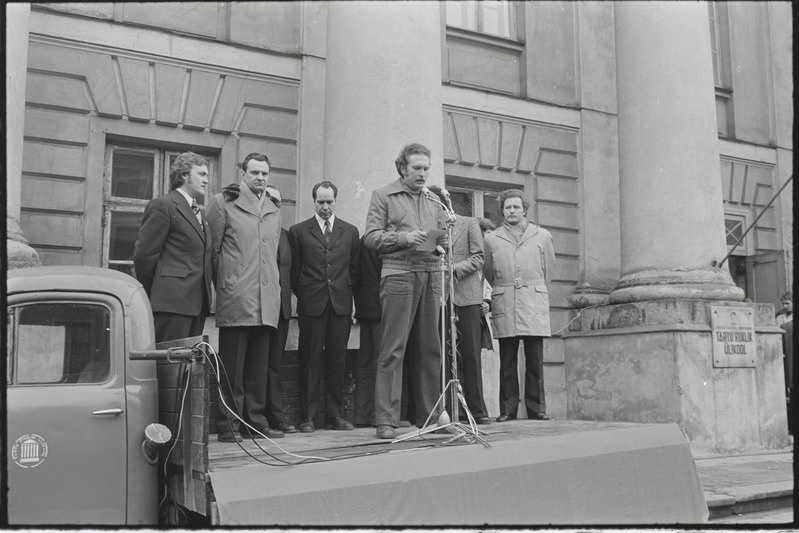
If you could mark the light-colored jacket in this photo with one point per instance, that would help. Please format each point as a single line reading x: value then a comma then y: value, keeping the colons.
x: 392, y: 215
x: 244, y: 259
x: 467, y: 252
x: 519, y: 274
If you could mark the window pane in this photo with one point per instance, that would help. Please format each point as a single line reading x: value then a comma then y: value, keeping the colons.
x: 462, y: 14
x: 132, y: 175
x: 124, y: 227
x: 496, y: 17
x: 63, y: 343
x: 735, y: 230
x: 491, y: 209
x: 462, y: 203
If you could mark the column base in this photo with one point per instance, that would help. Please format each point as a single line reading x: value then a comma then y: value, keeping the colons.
x: 704, y: 284
x: 18, y: 253
x: 652, y: 362
x: 591, y: 293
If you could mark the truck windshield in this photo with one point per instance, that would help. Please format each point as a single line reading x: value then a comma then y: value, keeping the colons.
x: 59, y: 342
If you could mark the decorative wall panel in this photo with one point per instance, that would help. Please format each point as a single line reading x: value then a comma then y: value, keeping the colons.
x: 68, y: 84
x: 750, y: 185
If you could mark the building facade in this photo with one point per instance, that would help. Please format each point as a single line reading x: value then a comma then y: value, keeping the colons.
x: 598, y: 110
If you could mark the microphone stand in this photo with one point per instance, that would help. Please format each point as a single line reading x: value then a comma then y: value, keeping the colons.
x: 453, y: 386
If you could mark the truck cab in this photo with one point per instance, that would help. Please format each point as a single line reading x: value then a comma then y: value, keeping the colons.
x: 77, y: 404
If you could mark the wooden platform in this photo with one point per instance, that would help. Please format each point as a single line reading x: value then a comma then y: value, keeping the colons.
x: 535, y: 473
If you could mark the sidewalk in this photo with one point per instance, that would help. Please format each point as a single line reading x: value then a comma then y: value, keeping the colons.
x: 739, y: 484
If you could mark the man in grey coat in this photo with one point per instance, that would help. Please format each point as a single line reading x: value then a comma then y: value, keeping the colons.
x: 519, y: 263
x: 245, y: 233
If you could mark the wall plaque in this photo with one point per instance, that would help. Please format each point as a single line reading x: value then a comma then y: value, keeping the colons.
x: 733, y: 330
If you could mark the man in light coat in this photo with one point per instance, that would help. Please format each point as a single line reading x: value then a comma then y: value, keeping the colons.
x: 519, y: 263
x: 245, y: 234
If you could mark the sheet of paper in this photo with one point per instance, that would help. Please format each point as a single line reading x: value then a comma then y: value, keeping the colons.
x: 429, y: 243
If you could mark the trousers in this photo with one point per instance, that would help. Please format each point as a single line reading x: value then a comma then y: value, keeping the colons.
x: 509, y: 376
x: 244, y: 352
x: 410, y: 308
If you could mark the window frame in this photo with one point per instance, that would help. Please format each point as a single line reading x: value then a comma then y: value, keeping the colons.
x: 478, y: 13
x: 478, y: 198
x: 745, y: 247
x: 107, y: 303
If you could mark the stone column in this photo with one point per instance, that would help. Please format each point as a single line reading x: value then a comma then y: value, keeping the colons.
x: 383, y: 91
x: 599, y: 227
x: 672, y: 222
x: 17, y: 15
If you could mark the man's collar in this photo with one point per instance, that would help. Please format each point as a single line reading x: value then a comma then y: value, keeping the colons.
x: 188, y: 198
x: 321, y: 221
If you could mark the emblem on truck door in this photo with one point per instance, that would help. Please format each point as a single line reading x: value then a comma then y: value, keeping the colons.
x: 29, y: 451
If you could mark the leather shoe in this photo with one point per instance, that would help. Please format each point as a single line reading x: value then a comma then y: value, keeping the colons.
x: 338, y: 423
x: 307, y: 426
x: 538, y: 416
x: 386, y: 432
x: 504, y: 418
x: 483, y: 420
x: 229, y: 436
x: 267, y: 432
x: 286, y: 428
x: 404, y: 423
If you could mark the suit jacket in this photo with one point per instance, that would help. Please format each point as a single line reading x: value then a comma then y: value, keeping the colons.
x: 172, y: 257
x: 468, y: 256
x: 367, y: 298
x: 322, y: 271
x: 284, y: 265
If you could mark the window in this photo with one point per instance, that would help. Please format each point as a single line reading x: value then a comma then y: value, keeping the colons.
x: 722, y: 69
x: 62, y: 342
x: 484, y: 16
x: 134, y: 176
x: 715, y: 43
x: 735, y: 224
x: 476, y: 203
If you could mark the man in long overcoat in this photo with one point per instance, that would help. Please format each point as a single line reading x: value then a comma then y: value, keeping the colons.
x: 245, y: 233
x: 519, y: 262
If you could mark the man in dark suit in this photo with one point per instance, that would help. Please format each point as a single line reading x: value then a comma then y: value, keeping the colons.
x: 325, y: 265
x: 172, y: 255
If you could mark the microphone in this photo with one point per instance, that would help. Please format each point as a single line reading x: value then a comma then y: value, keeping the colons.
x: 444, y: 193
x: 427, y: 192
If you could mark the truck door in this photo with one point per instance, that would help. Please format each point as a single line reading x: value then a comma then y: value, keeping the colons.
x: 66, y: 431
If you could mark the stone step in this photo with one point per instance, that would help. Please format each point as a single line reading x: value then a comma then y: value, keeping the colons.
x: 724, y: 502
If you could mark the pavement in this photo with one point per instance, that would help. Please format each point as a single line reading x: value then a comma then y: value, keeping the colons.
x: 739, y: 486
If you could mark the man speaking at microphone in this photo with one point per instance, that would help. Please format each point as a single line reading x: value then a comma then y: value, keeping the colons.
x: 398, y: 221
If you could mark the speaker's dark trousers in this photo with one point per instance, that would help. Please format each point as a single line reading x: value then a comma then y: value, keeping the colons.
x: 244, y: 351
x: 327, y: 332
x: 509, y: 376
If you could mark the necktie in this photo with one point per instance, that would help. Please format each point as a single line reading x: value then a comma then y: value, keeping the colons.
x: 327, y: 231
x: 196, y: 209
